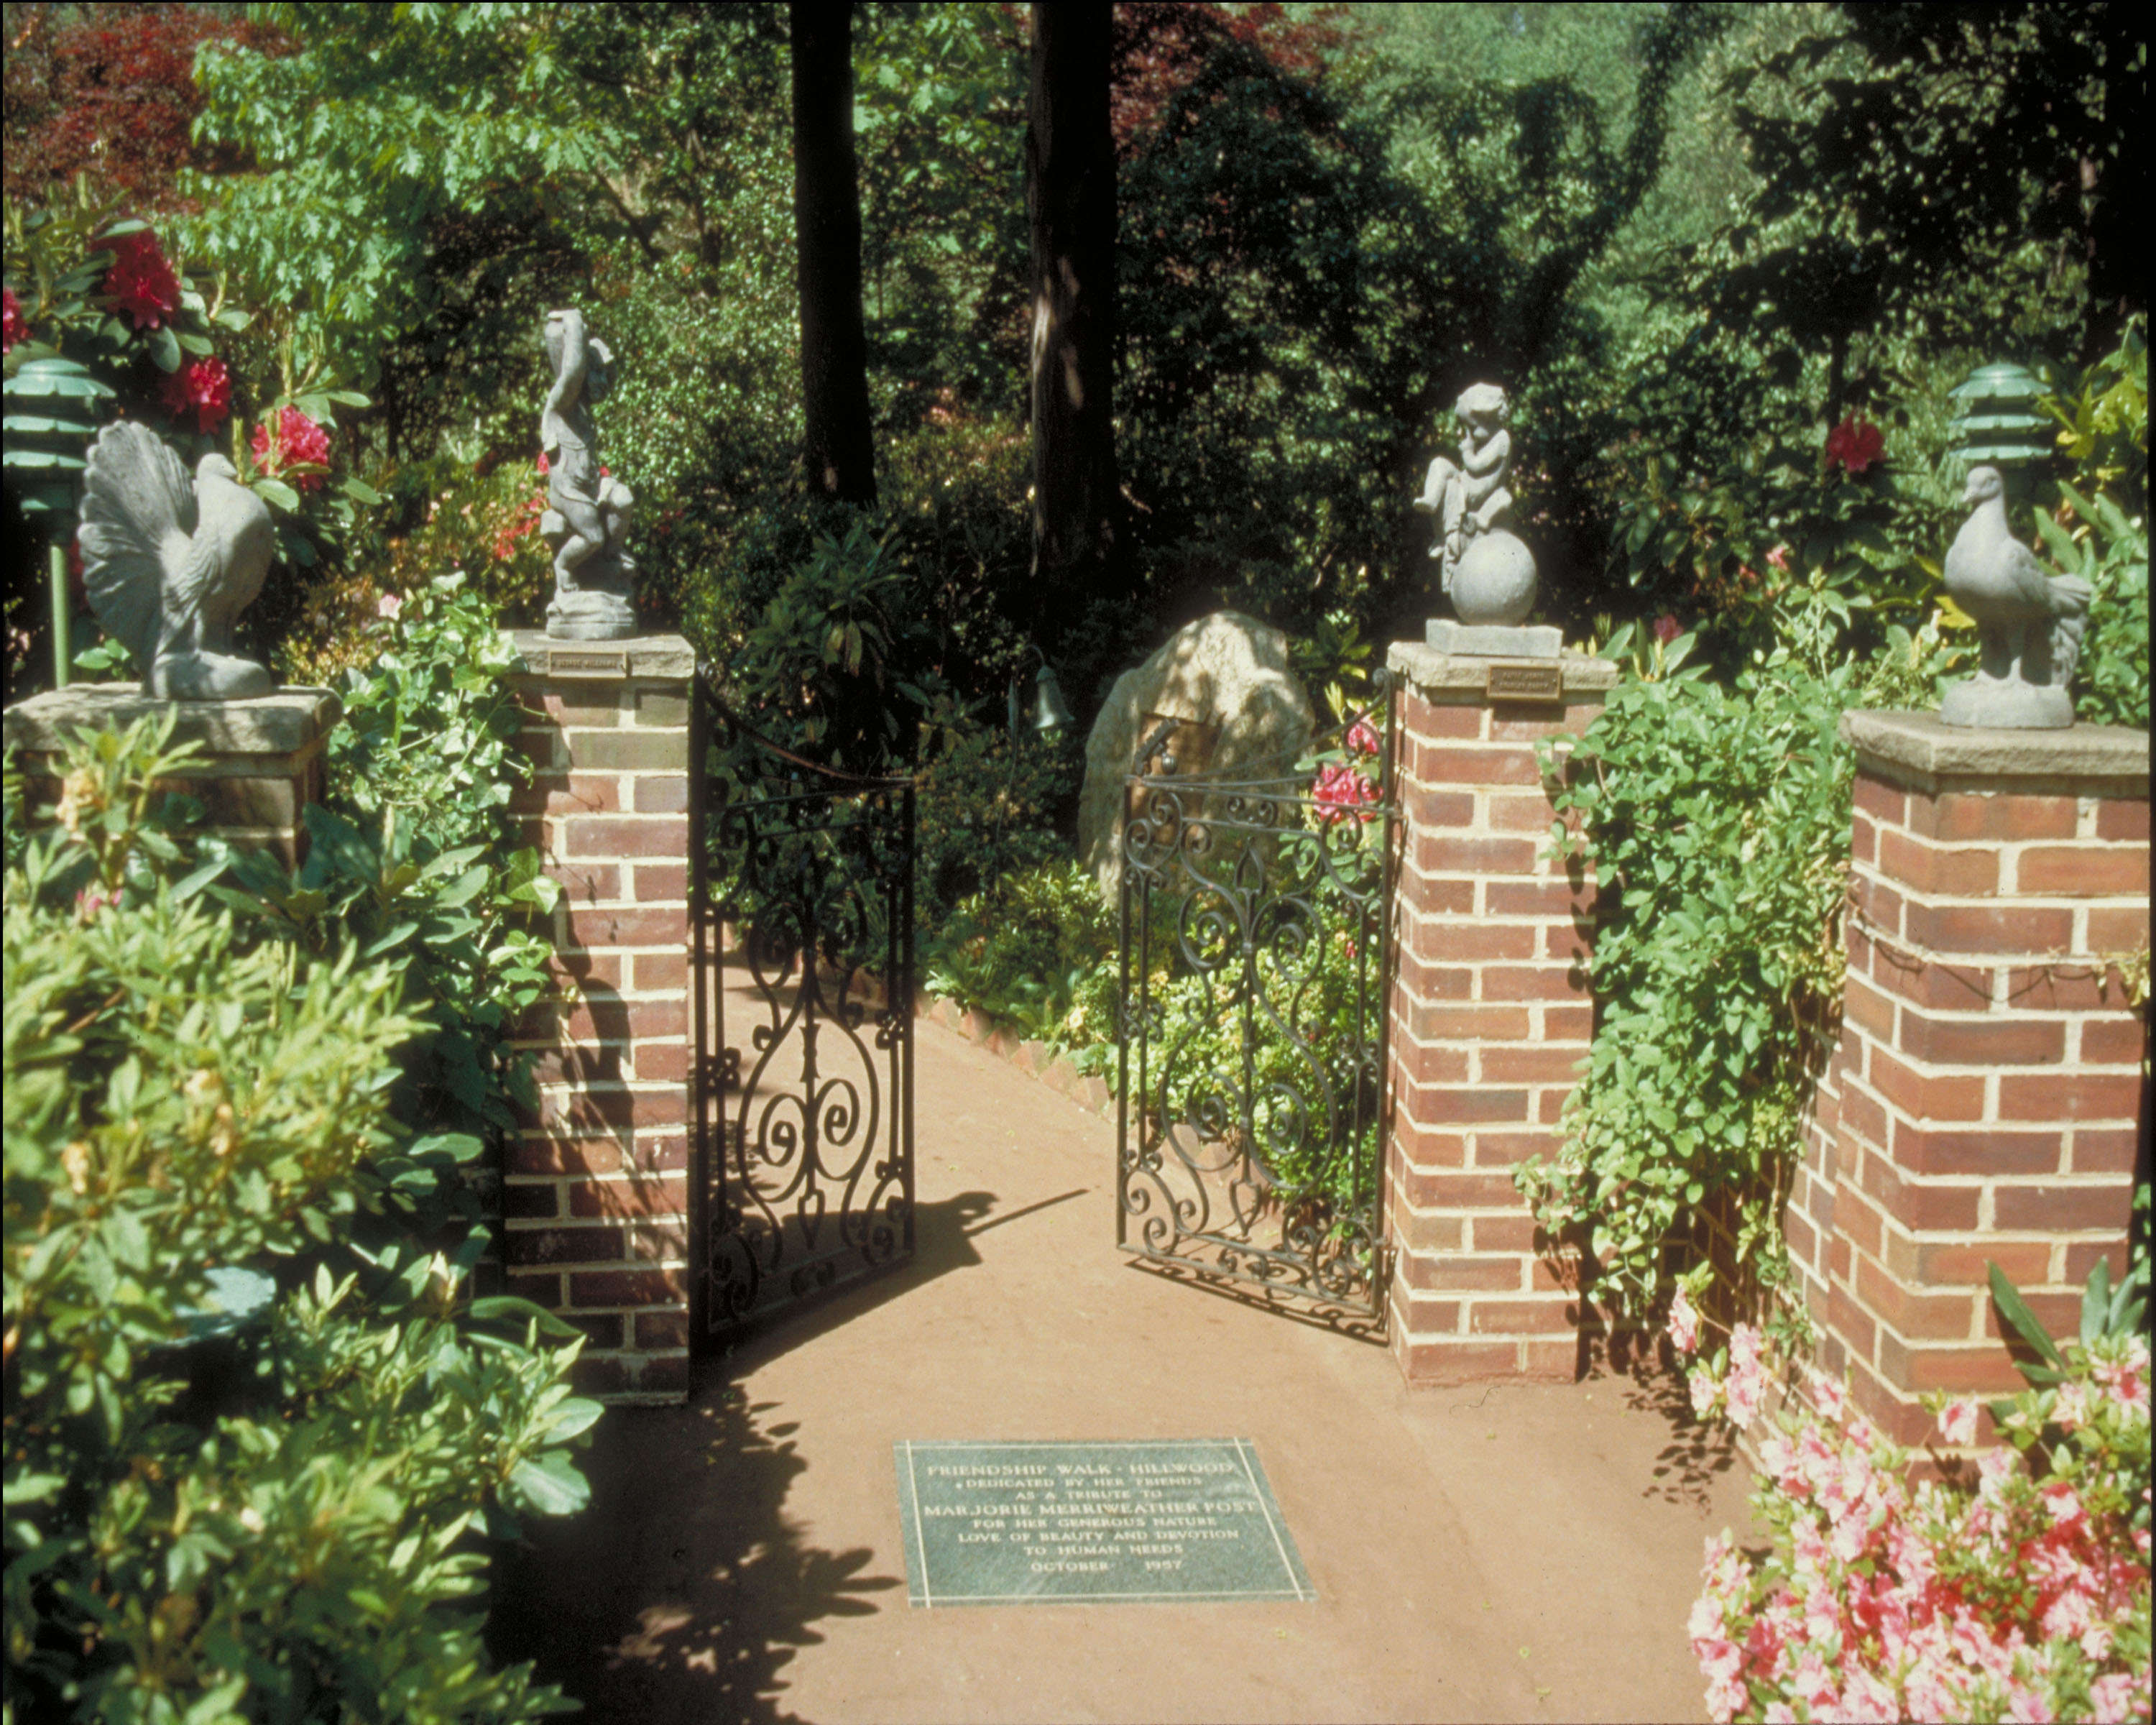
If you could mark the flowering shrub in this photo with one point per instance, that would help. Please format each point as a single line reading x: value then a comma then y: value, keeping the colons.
x: 1854, y: 445
x: 2017, y: 1587
x: 202, y: 388
x: 297, y: 449
x: 141, y: 281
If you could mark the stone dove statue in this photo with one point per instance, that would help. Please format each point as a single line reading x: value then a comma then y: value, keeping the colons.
x: 170, y: 564
x: 2029, y: 621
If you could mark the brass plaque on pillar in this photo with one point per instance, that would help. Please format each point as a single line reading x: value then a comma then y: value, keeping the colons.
x: 1525, y: 682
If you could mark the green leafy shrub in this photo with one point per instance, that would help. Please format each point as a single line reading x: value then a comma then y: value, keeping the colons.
x: 1718, y: 822
x: 252, y: 1429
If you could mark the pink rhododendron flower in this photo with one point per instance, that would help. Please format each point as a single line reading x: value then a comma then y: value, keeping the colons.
x: 141, y: 281
x: 543, y: 463
x: 1684, y: 1324
x: 1362, y: 738
x: 1957, y: 1420
x: 201, y: 387
x: 13, y: 328
x: 297, y: 440
x: 1342, y: 788
x: 389, y: 605
x: 1667, y: 629
x: 1854, y: 445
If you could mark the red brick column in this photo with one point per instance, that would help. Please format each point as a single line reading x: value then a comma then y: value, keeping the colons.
x: 595, y: 1194
x: 1491, y: 1016
x: 1990, y: 1077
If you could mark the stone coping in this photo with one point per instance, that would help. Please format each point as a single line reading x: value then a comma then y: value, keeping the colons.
x: 1454, y: 675
x: 650, y: 658
x: 1921, y: 750
x: 293, y: 721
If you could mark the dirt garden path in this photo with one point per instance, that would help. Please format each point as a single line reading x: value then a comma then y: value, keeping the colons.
x: 1490, y: 1553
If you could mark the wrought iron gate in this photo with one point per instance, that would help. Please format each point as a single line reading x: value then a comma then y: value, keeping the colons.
x: 1255, y: 948
x: 801, y: 901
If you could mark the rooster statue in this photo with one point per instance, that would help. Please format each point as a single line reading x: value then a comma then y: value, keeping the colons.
x: 2029, y: 621
x: 170, y: 564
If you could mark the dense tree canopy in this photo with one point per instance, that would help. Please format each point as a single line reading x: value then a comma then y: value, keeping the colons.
x: 1688, y: 239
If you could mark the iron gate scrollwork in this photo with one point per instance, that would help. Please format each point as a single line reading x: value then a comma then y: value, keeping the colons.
x: 801, y: 992
x: 1255, y: 950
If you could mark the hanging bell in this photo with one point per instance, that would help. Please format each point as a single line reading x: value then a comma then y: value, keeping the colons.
x: 1049, y: 711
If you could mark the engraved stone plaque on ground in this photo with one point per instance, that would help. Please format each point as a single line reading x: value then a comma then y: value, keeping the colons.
x: 1050, y: 1523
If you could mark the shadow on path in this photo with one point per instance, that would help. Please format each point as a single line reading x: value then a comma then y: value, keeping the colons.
x: 1696, y: 1453
x: 683, y: 1591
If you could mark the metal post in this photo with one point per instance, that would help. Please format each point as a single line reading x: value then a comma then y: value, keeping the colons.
x: 62, y: 650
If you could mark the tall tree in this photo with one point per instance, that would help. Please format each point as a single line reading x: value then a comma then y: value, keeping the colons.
x: 827, y: 223
x: 1070, y: 204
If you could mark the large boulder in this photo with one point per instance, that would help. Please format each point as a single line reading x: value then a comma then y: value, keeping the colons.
x: 1226, y: 677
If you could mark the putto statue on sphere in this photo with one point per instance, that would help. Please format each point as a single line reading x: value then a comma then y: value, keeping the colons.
x: 1486, y: 571
x: 170, y: 562
x: 587, y: 518
x: 2029, y: 621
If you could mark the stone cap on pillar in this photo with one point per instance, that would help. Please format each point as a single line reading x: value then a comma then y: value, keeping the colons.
x: 1921, y: 752
x: 648, y: 657
x: 1458, y: 676
x: 285, y: 728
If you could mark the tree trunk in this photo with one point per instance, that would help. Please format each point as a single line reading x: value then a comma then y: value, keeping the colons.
x: 827, y: 228
x: 1070, y: 203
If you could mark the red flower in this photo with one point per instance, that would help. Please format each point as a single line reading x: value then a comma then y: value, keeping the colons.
x: 298, y: 442
x: 1667, y: 629
x: 203, y: 387
x: 543, y: 463
x: 1854, y: 445
x: 1344, y: 788
x: 141, y: 281
x: 12, y: 329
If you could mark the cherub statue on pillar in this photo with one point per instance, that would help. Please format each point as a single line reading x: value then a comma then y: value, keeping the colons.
x: 587, y: 518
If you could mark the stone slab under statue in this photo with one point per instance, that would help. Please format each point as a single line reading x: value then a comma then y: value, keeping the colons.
x: 587, y: 517
x: 1485, y: 569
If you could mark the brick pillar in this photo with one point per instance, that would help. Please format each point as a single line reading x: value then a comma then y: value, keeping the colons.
x: 1989, y: 1075
x: 1491, y: 1016
x: 260, y: 764
x: 595, y: 1192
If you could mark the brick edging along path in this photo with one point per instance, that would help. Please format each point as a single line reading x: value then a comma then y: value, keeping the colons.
x: 1088, y: 1089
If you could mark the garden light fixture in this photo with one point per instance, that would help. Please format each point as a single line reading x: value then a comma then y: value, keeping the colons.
x: 1050, y: 713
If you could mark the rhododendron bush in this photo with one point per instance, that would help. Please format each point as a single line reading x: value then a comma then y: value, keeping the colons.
x: 2015, y: 1586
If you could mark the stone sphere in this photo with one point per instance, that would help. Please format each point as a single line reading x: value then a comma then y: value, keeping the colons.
x: 1494, y: 581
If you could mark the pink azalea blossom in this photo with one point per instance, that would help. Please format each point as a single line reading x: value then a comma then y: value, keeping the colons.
x: 389, y: 605
x: 1957, y: 1420
x: 1814, y: 1684
x: 2111, y: 1698
x: 1684, y: 1324
x: 2070, y: 1407
x: 2061, y: 1500
x: 1705, y: 1393
x: 1827, y: 1396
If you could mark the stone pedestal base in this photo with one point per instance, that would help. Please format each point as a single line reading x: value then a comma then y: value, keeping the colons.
x: 591, y: 615
x: 2001, y: 704
x: 1467, y: 640
x: 260, y: 763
